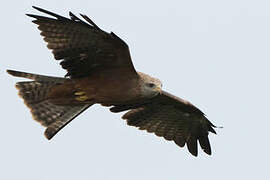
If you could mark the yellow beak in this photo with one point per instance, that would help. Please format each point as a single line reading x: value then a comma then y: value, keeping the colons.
x: 158, y: 88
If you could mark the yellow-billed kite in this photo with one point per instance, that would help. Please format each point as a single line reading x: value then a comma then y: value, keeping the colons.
x: 100, y: 71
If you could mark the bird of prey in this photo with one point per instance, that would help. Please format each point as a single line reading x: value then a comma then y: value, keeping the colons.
x: 100, y: 71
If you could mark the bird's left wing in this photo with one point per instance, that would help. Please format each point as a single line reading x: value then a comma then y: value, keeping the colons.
x: 172, y: 118
x: 82, y: 46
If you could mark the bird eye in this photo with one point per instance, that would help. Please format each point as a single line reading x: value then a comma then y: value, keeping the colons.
x: 151, y: 85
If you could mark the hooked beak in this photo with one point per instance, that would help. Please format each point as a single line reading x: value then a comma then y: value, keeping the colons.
x: 158, y: 89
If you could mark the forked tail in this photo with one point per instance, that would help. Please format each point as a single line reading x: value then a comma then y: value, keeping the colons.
x: 35, y: 95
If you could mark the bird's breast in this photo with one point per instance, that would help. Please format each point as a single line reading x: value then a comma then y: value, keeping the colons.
x: 111, y: 90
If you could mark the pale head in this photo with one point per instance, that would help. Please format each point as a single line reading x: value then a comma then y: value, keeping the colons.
x: 150, y: 86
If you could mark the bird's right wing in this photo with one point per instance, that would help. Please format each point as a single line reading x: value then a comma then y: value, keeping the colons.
x: 172, y: 118
x: 83, y: 47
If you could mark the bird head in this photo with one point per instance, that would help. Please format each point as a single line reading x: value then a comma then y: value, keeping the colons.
x: 150, y: 86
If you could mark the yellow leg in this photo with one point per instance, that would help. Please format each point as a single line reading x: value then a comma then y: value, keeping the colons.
x: 81, y: 96
x: 79, y: 93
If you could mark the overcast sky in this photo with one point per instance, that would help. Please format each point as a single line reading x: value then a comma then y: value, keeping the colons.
x: 215, y: 54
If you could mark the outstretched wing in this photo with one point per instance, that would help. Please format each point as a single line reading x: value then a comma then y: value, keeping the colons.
x: 172, y: 118
x: 82, y: 46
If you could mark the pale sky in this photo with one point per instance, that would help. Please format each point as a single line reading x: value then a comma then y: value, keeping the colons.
x: 214, y: 54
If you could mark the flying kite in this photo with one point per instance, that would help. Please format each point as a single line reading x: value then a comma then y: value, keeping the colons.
x: 100, y: 71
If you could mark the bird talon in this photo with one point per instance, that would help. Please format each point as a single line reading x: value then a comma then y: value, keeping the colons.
x: 81, y: 98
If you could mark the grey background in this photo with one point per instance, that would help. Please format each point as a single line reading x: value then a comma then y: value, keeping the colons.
x: 213, y: 53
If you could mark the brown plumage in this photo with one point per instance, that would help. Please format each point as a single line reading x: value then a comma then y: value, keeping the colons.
x: 100, y: 70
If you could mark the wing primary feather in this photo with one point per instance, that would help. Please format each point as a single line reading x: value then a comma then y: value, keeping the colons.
x: 73, y: 16
x: 212, y: 130
x: 38, y: 17
x: 205, y: 144
x: 50, y: 13
x: 211, y: 126
x: 192, y: 146
x: 120, y: 40
x: 90, y: 21
x: 179, y: 138
x: 180, y: 141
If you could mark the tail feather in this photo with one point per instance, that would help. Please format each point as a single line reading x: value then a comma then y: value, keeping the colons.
x: 34, y: 91
x: 35, y: 77
x: 69, y: 113
x: 35, y: 95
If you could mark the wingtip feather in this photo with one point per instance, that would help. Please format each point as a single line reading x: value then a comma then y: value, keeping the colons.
x: 14, y: 73
x: 192, y: 146
x: 39, y: 9
x: 9, y: 71
x: 30, y: 15
x: 48, y: 12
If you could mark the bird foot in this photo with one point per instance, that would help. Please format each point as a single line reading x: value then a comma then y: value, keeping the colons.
x: 80, y: 96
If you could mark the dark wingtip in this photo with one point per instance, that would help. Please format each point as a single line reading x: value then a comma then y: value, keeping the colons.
x: 12, y: 72
x: 31, y: 15
x: 207, y: 152
x: 9, y: 71
x: 35, y: 7
x: 192, y: 146
x: 73, y: 16
x: 195, y: 153
x: 48, y: 12
x: 90, y: 21
x: 211, y: 128
x: 205, y: 144
x: 40, y: 9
